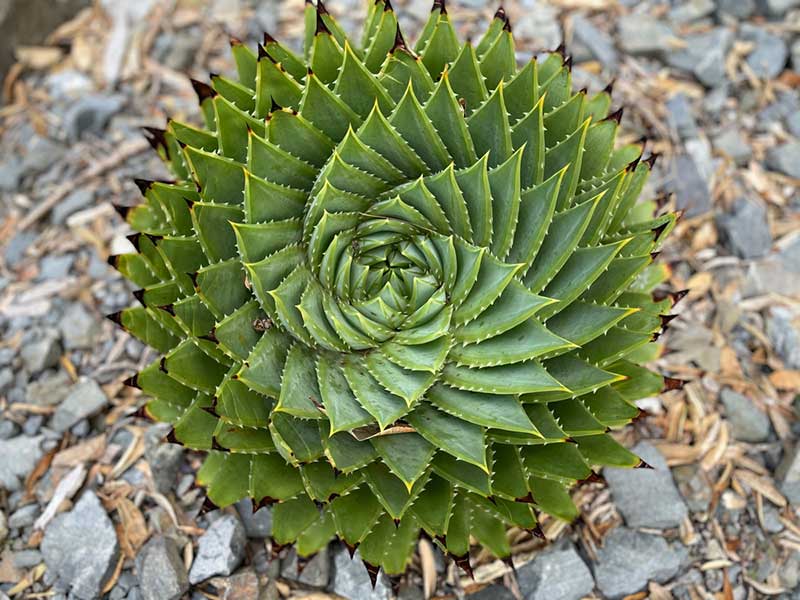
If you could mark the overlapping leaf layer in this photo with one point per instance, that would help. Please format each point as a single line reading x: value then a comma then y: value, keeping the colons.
x: 397, y: 290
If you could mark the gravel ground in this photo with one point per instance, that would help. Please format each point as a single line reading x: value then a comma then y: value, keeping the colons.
x: 94, y: 503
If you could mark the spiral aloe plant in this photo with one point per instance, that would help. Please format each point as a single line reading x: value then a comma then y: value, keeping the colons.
x: 398, y: 291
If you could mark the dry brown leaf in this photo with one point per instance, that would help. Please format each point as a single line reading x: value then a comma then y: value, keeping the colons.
x: 65, y: 490
x: 39, y: 57
x: 727, y: 589
x: 112, y: 581
x: 90, y: 450
x: 658, y: 592
x: 31, y: 578
x: 764, y: 588
x: 728, y: 363
x: 786, y: 380
x: 8, y: 572
x: 132, y: 530
x: 428, y: 566
x: 699, y: 284
x: 761, y: 485
x: 38, y: 471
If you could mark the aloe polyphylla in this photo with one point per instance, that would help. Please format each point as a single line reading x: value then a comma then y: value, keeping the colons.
x: 398, y: 291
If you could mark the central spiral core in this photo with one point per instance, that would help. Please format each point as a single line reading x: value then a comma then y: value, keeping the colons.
x: 390, y: 271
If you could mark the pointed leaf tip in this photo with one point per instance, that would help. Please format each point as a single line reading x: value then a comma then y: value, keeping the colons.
x: 156, y: 138
x: 399, y: 41
x: 207, y: 506
x: 321, y: 27
x: 168, y: 308
x: 268, y: 39
x: 373, y: 571
x: 203, y: 90
x: 134, y: 239
x: 609, y: 89
x: 139, y: 295
x: 671, y: 383
x: 143, y: 184
x: 643, y: 465
x: 133, y: 381
x: 464, y: 564
x: 439, y: 4
x: 115, y: 318
x: 616, y: 115
x: 678, y: 296
x: 650, y: 161
x: 666, y: 320
x: 122, y: 211
x: 659, y: 230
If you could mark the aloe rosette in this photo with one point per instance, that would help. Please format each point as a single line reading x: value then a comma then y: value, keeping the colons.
x: 398, y: 291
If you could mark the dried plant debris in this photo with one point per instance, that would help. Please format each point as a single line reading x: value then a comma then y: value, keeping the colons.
x: 713, y: 87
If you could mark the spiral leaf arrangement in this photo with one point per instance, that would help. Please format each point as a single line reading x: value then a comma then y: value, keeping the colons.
x: 398, y: 291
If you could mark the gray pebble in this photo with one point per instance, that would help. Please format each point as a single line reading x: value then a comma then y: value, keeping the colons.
x: 50, y: 389
x: 768, y: 58
x: 785, y: 159
x: 351, y: 580
x: 738, y: 9
x: 691, y: 10
x: 639, y: 34
x: 257, y: 525
x: 80, y: 548
x: 784, y: 336
x: 91, y: 114
x: 732, y: 143
x: 77, y: 200
x: 160, y: 570
x: 691, y: 189
x: 24, y: 517
x: 647, y: 497
x: 85, y: 399
x: 598, y: 42
x: 630, y: 559
x: 20, y: 455
x: 745, y: 229
x: 557, y: 572
x: 17, y: 246
x: 681, y: 118
x: 27, y: 559
x: 79, y: 328
x: 42, y: 154
x: 55, y: 266
x: 41, y: 352
x: 220, y: 549
x: 748, y: 422
x: 8, y: 429
x: 11, y: 173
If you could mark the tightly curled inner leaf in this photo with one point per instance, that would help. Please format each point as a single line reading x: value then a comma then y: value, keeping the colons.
x: 397, y: 290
